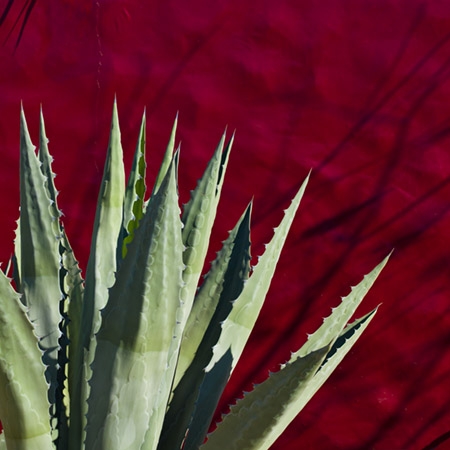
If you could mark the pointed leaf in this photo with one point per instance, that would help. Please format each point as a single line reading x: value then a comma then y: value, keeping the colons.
x: 262, y: 415
x: 133, y: 208
x: 335, y: 323
x: 168, y: 155
x: 139, y: 337
x: 107, y: 226
x: 222, y: 285
x: 100, y: 277
x: 237, y: 327
x: 252, y: 422
x: 39, y: 258
x: 24, y: 407
x: 46, y: 168
x: 73, y: 288
x: 340, y: 348
x: 60, y: 413
x: 198, y: 218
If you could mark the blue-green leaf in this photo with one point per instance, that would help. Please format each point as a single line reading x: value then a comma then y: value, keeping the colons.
x: 133, y: 207
x: 238, y: 325
x: 138, y: 342
x: 38, y: 254
x: 100, y: 274
x: 24, y: 407
x: 222, y: 285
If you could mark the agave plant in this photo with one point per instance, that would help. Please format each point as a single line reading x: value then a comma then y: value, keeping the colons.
x: 137, y: 354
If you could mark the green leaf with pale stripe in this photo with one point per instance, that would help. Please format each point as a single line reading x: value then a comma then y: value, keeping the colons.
x: 100, y: 272
x: 138, y: 345
x: 335, y: 323
x: 222, y: 285
x: 237, y: 327
x: 24, y: 407
x: 198, y: 217
x: 251, y: 422
x: 107, y: 226
x: 39, y: 258
x: 261, y: 416
x: 60, y: 419
x: 341, y: 342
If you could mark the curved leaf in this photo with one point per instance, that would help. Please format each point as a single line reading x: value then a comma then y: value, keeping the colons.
x: 100, y: 276
x: 237, y: 327
x: 24, y: 407
x: 138, y: 342
x: 222, y: 285
x: 39, y: 257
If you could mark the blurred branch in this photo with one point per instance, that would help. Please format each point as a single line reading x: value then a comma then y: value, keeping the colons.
x: 21, y: 19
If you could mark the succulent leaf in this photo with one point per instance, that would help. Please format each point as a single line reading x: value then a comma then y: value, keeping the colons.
x: 222, y: 285
x: 137, y: 355
x: 133, y: 208
x: 168, y: 155
x: 107, y: 227
x: 251, y: 422
x: 236, y: 329
x: 39, y: 256
x: 46, y: 168
x: 100, y: 272
x: 139, y: 345
x: 238, y: 325
x: 198, y: 217
x: 60, y: 417
x: 335, y: 323
x: 73, y: 288
x: 24, y: 406
x: 261, y: 416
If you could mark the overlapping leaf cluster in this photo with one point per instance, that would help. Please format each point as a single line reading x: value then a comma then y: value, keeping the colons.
x: 136, y: 355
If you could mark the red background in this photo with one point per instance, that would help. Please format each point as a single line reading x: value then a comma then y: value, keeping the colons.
x: 359, y: 91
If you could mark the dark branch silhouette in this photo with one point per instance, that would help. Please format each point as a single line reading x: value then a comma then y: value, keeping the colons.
x: 21, y: 18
